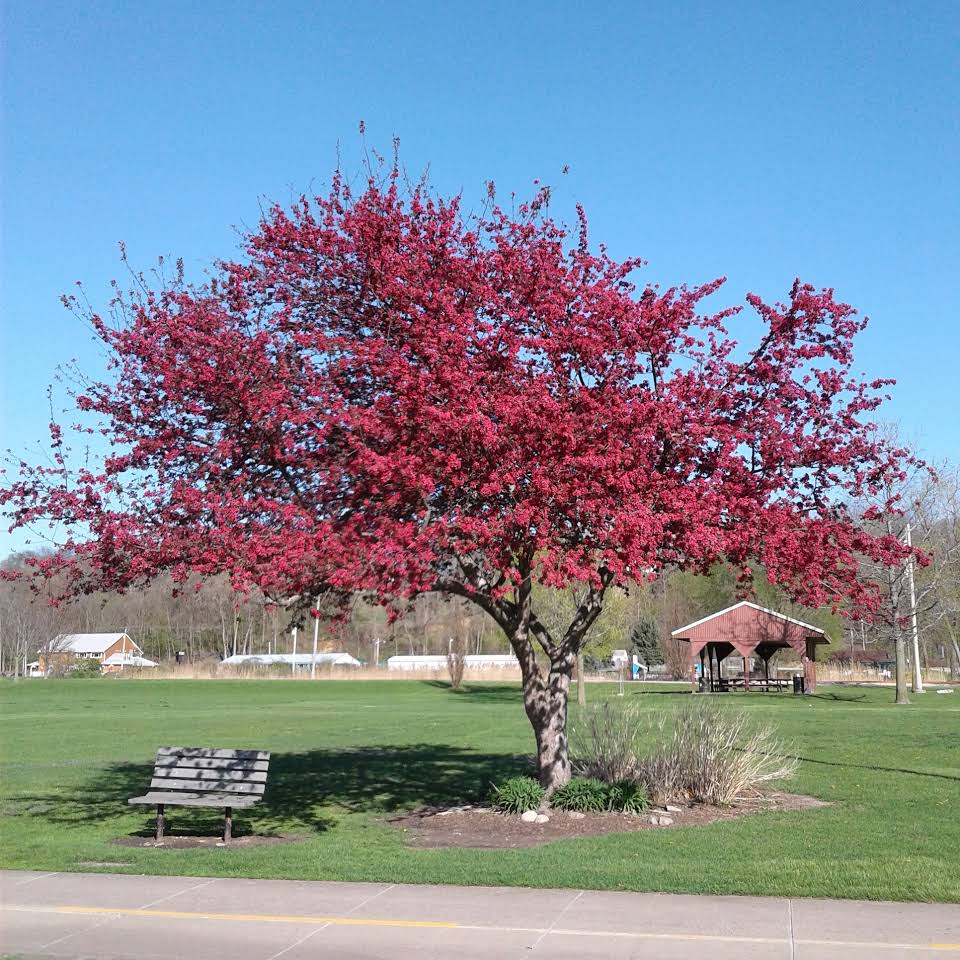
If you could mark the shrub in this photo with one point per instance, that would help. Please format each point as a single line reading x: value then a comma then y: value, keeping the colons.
x: 627, y: 796
x: 715, y: 755
x: 704, y: 751
x: 607, y: 740
x: 517, y: 795
x: 84, y: 670
x: 455, y: 664
x: 581, y: 793
x: 588, y: 794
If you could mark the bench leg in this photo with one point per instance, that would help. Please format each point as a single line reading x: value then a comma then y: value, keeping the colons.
x: 227, y: 824
x: 160, y: 823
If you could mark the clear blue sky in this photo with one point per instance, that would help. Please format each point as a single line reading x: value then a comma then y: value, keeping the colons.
x: 757, y: 140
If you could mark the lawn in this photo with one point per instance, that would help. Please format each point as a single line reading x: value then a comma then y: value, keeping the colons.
x: 347, y: 753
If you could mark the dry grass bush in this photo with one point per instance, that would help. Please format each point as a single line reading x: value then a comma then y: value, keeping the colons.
x: 608, y: 739
x: 455, y: 664
x: 703, y: 752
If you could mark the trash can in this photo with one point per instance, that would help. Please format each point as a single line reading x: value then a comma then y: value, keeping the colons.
x: 798, y: 684
x: 702, y: 684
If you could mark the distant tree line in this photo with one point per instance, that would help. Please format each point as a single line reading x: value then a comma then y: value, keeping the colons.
x: 210, y: 620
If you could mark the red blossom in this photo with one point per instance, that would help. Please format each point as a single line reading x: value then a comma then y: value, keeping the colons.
x: 386, y: 395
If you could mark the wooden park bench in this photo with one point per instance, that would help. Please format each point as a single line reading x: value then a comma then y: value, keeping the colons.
x: 197, y: 777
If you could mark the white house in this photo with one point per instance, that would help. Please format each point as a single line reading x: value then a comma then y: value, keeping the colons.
x: 67, y: 648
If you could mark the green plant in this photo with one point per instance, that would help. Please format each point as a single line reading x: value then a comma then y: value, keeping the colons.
x: 437, y: 750
x: 581, y: 793
x: 84, y: 670
x: 627, y: 796
x: 517, y: 795
x: 645, y: 643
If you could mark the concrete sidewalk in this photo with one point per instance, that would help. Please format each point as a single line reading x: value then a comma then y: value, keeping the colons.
x: 113, y: 916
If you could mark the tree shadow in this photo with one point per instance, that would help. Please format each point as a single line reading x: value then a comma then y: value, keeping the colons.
x: 505, y: 692
x: 646, y: 691
x: 875, y: 767
x: 305, y: 791
x: 832, y: 696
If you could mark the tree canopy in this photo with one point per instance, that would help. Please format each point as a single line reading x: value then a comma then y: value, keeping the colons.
x: 384, y: 394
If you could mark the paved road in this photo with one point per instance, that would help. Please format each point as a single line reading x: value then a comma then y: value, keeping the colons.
x: 154, y: 918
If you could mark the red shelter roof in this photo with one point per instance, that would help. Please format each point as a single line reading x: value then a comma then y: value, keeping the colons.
x: 746, y: 626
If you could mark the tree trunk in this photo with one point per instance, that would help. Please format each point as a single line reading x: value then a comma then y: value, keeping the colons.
x: 901, y: 667
x: 581, y: 689
x: 545, y: 702
x: 955, y: 646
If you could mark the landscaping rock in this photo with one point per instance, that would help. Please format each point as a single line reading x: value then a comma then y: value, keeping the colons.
x: 674, y: 809
x: 541, y: 818
x: 661, y: 821
x: 530, y: 816
x: 576, y: 815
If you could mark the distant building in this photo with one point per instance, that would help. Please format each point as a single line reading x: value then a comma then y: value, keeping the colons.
x: 120, y: 660
x: 473, y: 661
x: 114, y: 651
x: 299, y: 660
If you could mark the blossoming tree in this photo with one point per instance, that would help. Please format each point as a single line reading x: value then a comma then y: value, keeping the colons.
x: 385, y: 395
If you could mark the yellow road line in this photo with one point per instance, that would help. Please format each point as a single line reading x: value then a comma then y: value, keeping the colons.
x: 449, y: 925
x: 255, y: 917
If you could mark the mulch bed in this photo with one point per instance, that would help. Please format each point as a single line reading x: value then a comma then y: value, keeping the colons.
x: 185, y: 842
x: 484, y: 828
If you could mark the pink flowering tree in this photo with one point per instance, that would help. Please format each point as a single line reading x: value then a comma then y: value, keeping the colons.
x: 386, y: 395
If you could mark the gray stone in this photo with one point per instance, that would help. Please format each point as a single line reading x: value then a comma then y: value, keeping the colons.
x: 576, y: 815
x: 661, y: 821
x: 542, y: 818
x: 674, y: 809
x: 530, y: 816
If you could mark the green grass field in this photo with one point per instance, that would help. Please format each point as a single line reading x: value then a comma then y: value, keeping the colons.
x: 347, y: 753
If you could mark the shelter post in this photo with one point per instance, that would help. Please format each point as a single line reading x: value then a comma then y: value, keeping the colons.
x: 810, y: 668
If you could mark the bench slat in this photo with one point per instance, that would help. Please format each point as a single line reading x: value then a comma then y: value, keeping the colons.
x: 194, y: 800
x: 213, y: 754
x: 214, y: 786
x: 211, y: 763
x: 190, y: 773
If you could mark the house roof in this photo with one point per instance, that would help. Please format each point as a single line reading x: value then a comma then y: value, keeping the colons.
x: 753, y: 606
x: 747, y: 627
x: 127, y: 660
x: 87, y: 642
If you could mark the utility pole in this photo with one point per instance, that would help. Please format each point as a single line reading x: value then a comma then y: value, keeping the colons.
x: 376, y: 653
x: 917, y: 676
x: 316, y: 631
x: 293, y: 661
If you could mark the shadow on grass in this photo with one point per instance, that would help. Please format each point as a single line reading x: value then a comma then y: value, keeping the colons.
x: 506, y: 692
x: 875, y: 767
x: 647, y: 691
x: 832, y: 696
x: 304, y: 792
